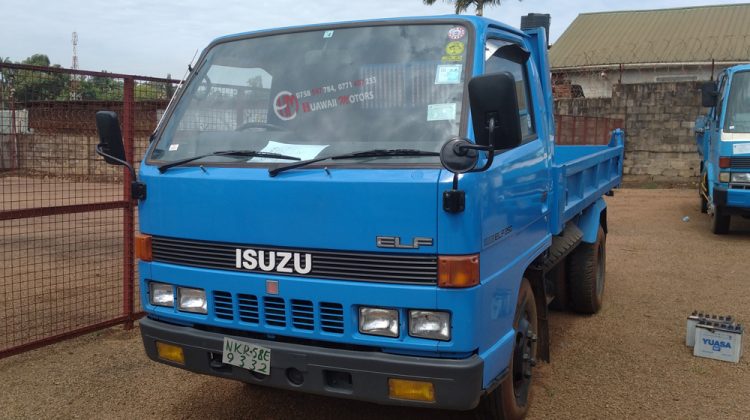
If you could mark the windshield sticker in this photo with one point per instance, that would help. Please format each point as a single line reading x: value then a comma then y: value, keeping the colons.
x: 448, y: 74
x: 456, y: 32
x: 441, y: 112
x: 328, y: 34
x: 452, y: 58
x: 173, y: 147
x: 302, y: 151
x: 740, y: 149
x: 323, y: 90
x: 454, y: 48
x: 336, y: 102
x: 285, y: 105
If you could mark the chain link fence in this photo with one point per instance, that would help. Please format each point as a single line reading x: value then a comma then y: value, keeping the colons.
x: 66, y: 218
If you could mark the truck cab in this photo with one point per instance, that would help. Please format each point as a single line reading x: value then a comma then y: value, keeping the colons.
x: 372, y: 210
x: 723, y: 138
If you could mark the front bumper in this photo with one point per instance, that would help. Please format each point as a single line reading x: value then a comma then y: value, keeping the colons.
x: 732, y: 200
x: 359, y: 375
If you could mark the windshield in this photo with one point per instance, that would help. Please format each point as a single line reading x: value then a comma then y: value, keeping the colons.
x: 323, y: 92
x: 737, y: 119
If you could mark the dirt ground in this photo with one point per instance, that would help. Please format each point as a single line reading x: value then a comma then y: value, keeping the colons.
x: 628, y: 361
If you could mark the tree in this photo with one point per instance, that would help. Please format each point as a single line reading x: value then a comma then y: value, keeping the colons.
x: 463, y: 5
x: 100, y: 88
x: 29, y: 85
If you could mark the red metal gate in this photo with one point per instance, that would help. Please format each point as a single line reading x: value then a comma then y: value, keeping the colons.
x: 66, y: 218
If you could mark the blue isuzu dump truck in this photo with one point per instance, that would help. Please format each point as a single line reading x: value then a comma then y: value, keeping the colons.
x: 372, y: 210
x: 723, y: 137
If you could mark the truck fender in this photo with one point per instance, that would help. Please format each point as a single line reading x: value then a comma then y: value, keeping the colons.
x: 711, y: 178
x: 591, y: 218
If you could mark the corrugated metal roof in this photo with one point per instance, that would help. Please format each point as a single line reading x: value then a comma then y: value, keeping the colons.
x: 684, y: 35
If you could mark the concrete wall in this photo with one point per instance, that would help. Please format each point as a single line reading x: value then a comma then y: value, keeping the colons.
x: 659, y: 119
x: 60, y: 138
x: 599, y: 84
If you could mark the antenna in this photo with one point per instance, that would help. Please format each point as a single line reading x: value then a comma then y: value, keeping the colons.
x: 75, y: 78
x: 74, y: 40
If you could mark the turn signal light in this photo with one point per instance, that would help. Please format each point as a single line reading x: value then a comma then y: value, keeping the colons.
x: 458, y: 271
x: 143, y: 247
x: 170, y: 352
x: 411, y: 390
x: 724, y: 162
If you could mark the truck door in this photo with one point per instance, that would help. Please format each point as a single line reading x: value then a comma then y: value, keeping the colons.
x: 518, y: 180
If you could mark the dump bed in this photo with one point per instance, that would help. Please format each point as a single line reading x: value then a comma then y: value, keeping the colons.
x: 582, y: 174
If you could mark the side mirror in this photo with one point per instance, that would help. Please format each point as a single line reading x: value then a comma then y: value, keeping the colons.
x: 700, y: 125
x: 493, y: 96
x: 709, y: 94
x: 110, y: 145
x: 457, y: 156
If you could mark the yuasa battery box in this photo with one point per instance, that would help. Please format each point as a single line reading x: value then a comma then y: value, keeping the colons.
x: 697, y: 317
x: 717, y: 340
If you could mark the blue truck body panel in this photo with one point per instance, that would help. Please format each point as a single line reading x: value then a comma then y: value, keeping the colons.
x: 512, y: 211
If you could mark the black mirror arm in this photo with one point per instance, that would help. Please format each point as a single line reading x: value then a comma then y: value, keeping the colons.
x: 489, y: 149
x: 122, y: 162
x: 137, y: 189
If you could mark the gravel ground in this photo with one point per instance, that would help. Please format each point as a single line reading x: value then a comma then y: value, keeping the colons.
x: 627, y: 361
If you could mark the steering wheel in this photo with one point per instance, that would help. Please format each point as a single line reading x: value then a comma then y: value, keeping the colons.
x: 267, y: 126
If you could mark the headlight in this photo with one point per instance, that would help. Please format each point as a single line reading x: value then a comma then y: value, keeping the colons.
x: 192, y: 300
x: 161, y: 294
x: 378, y: 321
x: 741, y: 177
x: 430, y: 324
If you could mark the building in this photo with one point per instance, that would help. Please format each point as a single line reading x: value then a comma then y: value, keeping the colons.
x: 599, y: 50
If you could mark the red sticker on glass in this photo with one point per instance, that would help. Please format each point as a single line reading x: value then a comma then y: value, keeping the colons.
x: 285, y: 105
x: 456, y: 32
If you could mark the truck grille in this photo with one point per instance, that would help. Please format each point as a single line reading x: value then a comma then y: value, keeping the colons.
x: 375, y: 267
x: 277, y: 312
x: 739, y: 162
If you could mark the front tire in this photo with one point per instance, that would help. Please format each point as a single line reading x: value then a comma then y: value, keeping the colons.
x: 720, y: 222
x: 510, y: 400
x: 702, y: 191
x: 587, y: 271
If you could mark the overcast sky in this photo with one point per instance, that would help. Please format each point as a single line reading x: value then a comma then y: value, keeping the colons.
x: 156, y: 37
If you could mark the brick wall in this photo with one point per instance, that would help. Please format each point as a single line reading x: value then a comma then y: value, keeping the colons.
x: 659, y: 118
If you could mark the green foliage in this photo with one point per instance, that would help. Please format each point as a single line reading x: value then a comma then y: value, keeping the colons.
x: 40, y: 85
x: 29, y: 85
x: 99, y: 88
x: 145, y: 91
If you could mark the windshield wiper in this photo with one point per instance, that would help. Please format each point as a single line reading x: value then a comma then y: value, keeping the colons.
x: 354, y: 155
x: 235, y: 153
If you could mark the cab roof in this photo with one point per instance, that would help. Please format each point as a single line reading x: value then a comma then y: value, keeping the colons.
x: 479, y: 22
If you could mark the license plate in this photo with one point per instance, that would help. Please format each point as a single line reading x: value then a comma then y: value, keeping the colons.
x: 246, y: 355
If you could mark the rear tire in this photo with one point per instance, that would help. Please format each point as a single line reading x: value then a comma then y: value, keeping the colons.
x: 720, y: 222
x: 587, y: 269
x: 510, y: 400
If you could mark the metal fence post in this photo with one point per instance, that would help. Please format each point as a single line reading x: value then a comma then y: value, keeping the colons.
x: 128, y: 120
